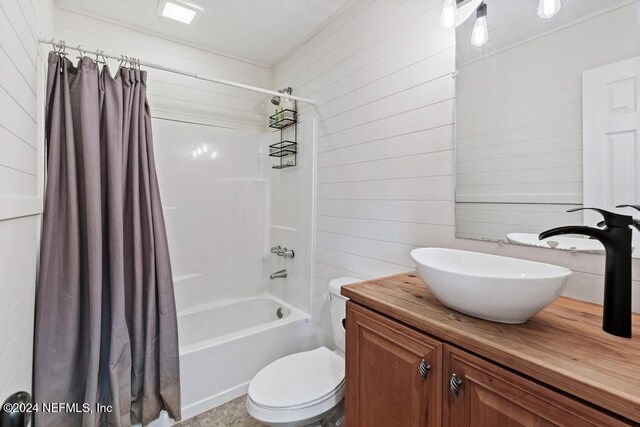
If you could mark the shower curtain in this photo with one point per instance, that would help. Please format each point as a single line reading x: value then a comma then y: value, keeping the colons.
x: 106, y: 330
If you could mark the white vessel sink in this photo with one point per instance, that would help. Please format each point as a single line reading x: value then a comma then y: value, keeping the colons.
x: 565, y: 243
x: 501, y: 289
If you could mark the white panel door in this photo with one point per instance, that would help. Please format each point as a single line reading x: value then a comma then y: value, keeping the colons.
x: 611, y: 123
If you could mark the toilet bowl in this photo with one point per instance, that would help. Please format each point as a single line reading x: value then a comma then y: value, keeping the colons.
x: 307, y: 388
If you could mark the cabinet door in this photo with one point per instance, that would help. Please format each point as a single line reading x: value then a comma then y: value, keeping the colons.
x: 393, y: 373
x: 489, y: 395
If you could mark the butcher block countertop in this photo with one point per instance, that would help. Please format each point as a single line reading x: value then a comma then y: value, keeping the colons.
x: 563, y: 346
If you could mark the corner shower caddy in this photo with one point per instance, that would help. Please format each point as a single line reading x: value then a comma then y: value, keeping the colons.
x: 287, y: 149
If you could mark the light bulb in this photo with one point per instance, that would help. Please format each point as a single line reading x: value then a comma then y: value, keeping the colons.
x: 548, y: 8
x: 480, y: 33
x: 449, y: 13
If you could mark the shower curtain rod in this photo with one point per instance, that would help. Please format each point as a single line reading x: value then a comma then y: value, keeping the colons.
x: 62, y: 44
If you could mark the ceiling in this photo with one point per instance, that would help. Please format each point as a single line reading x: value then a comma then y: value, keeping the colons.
x: 513, y: 21
x: 261, y: 31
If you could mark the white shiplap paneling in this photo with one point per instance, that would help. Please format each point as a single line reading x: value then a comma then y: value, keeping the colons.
x: 21, y: 23
x: 173, y: 96
x: 381, y: 72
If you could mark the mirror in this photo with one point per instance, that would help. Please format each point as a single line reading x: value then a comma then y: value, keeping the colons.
x: 547, y: 117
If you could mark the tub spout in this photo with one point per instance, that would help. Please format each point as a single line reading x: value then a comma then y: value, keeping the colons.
x: 282, y: 274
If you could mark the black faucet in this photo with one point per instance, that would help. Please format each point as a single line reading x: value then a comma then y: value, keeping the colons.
x: 636, y: 223
x: 616, y: 238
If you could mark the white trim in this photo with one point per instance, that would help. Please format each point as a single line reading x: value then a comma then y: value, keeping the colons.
x: 16, y: 207
x: 560, y: 199
x: 314, y: 215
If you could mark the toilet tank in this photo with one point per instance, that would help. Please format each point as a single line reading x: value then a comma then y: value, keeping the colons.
x: 338, y: 309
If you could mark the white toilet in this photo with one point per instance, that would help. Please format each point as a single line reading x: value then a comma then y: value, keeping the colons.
x: 305, y: 389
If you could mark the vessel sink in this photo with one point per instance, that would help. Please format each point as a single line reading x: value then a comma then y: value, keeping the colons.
x: 491, y: 287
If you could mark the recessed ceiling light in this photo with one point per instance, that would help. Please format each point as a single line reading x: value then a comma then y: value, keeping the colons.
x: 179, y: 12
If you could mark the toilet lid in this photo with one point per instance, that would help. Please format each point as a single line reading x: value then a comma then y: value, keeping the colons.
x: 300, y: 379
x: 336, y: 285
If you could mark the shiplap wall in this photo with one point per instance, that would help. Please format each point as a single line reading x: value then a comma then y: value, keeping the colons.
x: 381, y: 71
x: 21, y: 119
x: 519, y: 125
x: 173, y: 96
x: 495, y: 220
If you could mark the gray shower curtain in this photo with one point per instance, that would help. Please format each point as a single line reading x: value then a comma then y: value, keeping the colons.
x: 106, y: 330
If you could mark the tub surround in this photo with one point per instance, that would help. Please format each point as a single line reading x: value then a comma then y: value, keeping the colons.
x: 561, y: 351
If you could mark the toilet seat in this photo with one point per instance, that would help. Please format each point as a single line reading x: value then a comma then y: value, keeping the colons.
x: 299, y: 387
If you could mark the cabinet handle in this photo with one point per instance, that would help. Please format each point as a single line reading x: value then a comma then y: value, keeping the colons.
x: 455, y: 383
x: 424, y: 369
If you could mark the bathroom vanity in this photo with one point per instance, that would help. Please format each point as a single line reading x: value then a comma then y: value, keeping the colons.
x: 413, y: 362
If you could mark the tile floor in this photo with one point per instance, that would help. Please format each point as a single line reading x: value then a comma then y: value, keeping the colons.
x: 232, y: 414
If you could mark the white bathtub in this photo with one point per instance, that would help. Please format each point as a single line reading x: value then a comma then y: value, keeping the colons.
x: 224, y: 344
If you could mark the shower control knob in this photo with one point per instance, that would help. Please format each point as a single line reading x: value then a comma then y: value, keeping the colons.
x: 287, y: 253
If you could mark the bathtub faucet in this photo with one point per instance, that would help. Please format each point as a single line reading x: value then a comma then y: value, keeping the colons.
x: 282, y: 274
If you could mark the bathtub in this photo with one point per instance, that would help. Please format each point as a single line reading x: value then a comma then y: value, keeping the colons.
x: 224, y: 344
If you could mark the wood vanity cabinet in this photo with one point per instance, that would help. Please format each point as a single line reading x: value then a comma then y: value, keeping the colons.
x: 399, y: 376
x: 392, y: 373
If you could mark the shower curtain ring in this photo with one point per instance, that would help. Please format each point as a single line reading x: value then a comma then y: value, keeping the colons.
x: 82, y: 53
